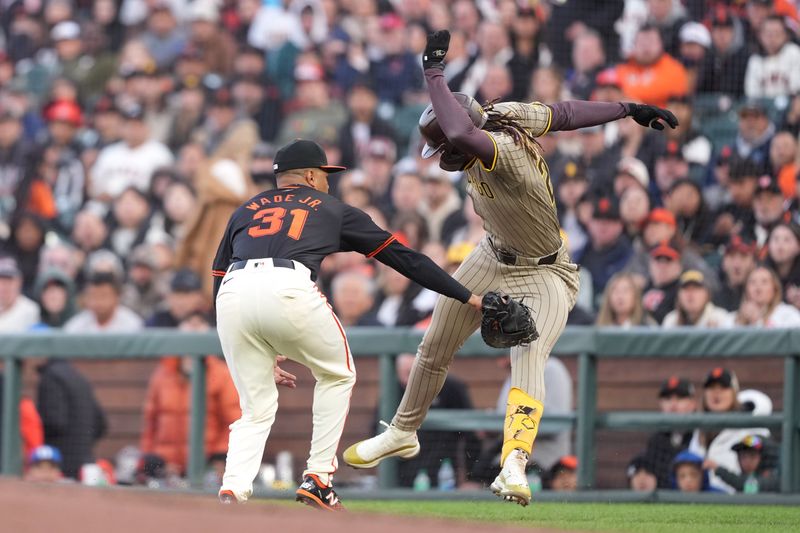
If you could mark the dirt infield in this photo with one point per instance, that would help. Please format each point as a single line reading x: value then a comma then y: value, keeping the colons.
x: 34, y: 508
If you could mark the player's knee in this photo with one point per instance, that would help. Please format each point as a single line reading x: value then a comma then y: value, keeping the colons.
x: 441, y: 346
x: 431, y: 367
x: 348, y: 380
x: 345, y: 378
x: 426, y: 354
x: 262, y: 413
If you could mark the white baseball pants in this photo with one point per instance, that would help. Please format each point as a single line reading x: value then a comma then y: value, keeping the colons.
x: 263, y: 311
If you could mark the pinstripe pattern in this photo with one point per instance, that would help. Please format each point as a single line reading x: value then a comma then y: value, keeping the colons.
x: 514, y: 200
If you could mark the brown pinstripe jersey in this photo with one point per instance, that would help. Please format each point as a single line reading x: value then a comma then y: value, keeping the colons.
x: 514, y: 196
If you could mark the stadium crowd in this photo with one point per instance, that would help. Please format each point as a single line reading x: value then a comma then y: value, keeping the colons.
x: 131, y: 129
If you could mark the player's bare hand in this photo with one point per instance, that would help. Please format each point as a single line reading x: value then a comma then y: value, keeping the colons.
x: 475, y: 302
x: 708, y: 464
x: 436, y: 49
x: 282, y: 377
x: 651, y: 116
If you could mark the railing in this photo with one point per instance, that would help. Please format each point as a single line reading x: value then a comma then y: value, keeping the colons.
x: 588, y: 344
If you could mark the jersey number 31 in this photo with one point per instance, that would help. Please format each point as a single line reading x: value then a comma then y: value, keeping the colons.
x: 271, y: 222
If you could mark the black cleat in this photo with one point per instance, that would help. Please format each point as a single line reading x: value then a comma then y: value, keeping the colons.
x: 314, y: 494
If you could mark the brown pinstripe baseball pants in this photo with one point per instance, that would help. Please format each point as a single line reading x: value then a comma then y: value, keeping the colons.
x: 549, y: 290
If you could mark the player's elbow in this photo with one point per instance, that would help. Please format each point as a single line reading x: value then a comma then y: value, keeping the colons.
x: 461, y: 140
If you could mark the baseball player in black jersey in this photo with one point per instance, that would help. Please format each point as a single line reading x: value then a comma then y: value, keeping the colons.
x: 268, y: 304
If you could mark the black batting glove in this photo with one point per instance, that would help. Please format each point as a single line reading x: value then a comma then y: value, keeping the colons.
x: 436, y: 49
x: 650, y: 116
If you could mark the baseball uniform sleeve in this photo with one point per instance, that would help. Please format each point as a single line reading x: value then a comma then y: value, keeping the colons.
x: 360, y: 234
x: 454, y: 121
x: 576, y: 114
x: 223, y: 258
x: 534, y: 117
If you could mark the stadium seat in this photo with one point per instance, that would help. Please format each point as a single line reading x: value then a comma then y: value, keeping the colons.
x: 721, y: 129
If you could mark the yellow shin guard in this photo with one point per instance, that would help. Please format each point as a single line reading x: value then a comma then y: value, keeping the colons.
x: 523, y: 415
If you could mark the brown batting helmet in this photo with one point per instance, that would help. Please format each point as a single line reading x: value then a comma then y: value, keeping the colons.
x: 435, y: 139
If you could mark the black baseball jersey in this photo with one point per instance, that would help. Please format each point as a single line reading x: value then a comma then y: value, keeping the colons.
x: 303, y: 224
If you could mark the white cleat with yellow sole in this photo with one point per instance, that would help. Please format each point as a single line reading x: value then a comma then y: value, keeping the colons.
x: 393, y: 442
x: 512, y: 484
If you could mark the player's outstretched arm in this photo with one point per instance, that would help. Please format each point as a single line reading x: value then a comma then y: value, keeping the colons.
x: 453, y: 119
x: 575, y: 114
x: 421, y: 269
x: 361, y: 234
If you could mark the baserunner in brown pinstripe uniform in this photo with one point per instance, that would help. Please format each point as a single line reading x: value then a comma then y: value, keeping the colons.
x: 522, y: 254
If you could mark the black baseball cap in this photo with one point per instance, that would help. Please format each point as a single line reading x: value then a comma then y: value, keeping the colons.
x: 767, y: 183
x: 605, y: 208
x: 750, y: 442
x: 640, y: 462
x: 723, y: 376
x: 573, y: 170
x: 302, y: 153
x: 186, y: 280
x: 677, y: 386
x: 722, y: 17
x: 672, y: 150
x: 725, y: 155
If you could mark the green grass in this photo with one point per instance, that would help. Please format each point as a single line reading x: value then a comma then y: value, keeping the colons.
x: 616, y: 517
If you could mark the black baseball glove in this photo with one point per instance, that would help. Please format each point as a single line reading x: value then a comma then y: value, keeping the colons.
x: 436, y: 49
x: 649, y: 116
x: 506, y: 322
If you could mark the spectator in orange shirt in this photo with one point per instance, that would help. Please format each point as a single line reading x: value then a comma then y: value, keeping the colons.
x: 31, y: 430
x: 651, y: 75
x: 30, y: 426
x: 783, y: 156
x: 166, y: 411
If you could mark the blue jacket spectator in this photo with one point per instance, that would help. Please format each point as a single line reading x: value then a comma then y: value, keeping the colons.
x: 688, y: 474
x: 610, y: 249
x: 397, y: 71
x: 755, y: 133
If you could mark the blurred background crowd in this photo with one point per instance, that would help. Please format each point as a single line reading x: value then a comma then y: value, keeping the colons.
x: 131, y: 129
